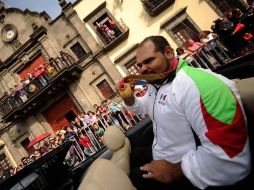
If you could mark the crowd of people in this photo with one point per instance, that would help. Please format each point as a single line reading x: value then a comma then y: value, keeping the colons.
x: 32, y: 82
x: 236, y: 30
x: 231, y: 36
x: 85, y: 133
x: 87, y: 129
x: 48, y: 146
x: 199, y: 53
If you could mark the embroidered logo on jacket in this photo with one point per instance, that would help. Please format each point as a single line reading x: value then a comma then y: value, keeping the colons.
x: 162, y: 99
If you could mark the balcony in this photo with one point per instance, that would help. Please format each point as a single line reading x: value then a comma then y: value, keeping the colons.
x: 155, y: 7
x: 111, y: 33
x: 34, y: 94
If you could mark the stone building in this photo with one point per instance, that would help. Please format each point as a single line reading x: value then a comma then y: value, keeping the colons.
x: 176, y: 20
x: 99, y: 38
x: 83, y: 75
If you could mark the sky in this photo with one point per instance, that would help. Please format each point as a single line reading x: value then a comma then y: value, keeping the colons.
x: 50, y: 6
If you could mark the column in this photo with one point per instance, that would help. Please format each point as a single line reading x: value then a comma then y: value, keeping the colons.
x: 51, y: 48
x: 80, y: 94
x: 34, y: 127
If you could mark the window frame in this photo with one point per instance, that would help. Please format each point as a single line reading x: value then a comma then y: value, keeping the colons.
x: 131, y: 63
x: 73, y: 40
x: 126, y: 58
x: 100, y: 82
x: 217, y: 10
x: 98, y: 13
x: 175, y: 20
x: 78, y: 43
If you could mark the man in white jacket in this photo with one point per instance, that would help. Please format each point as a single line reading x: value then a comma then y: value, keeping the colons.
x: 185, y: 102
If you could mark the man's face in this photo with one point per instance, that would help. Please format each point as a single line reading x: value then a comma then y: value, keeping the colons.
x: 190, y: 42
x: 69, y: 129
x: 77, y: 120
x: 151, y: 62
x: 24, y: 161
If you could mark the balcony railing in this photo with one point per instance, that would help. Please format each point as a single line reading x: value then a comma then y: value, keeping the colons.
x: 36, y: 89
x: 154, y: 7
x: 211, y: 56
x: 218, y: 58
x: 110, y: 36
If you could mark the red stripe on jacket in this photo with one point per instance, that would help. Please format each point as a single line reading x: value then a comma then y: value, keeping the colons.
x: 230, y: 137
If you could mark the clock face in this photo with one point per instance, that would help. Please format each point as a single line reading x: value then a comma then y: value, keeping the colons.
x: 10, y: 34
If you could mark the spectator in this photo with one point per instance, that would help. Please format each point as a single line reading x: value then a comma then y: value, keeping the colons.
x: 87, y: 145
x: 181, y: 53
x: 118, y: 114
x: 110, y: 33
x: 51, y: 71
x: 52, y: 144
x: 24, y: 161
x: 113, y: 27
x: 85, y: 119
x: 22, y: 92
x: 65, y: 59
x: 99, y: 132
x: 194, y: 46
x: 207, y: 38
x: 92, y: 117
x: 78, y: 123
x: 38, y: 79
x: 37, y: 154
x: 43, y: 151
x: 69, y: 134
x: 199, y: 56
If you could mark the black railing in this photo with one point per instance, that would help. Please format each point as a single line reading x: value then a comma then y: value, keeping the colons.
x: 44, y: 169
x: 216, y: 57
x: 211, y: 56
x: 154, y: 7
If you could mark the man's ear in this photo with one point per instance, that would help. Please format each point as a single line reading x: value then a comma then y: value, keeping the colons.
x: 169, y: 52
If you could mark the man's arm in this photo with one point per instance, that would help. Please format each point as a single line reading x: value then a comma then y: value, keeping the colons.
x: 131, y: 102
x: 216, y: 116
x: 163, y: 171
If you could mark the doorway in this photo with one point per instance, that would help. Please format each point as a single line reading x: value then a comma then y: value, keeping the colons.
x: 61, y: 113
x: 70, y: 116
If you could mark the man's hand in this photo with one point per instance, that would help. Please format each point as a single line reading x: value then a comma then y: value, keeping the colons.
x: 163, y: 171
x: 125, y: 91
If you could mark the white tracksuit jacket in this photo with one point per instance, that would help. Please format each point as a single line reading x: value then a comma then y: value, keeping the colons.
x: 175, y: 109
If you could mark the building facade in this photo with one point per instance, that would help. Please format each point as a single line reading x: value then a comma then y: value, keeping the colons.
x: 176, y: 20
x: 81, y: 74
x: 97, y: 40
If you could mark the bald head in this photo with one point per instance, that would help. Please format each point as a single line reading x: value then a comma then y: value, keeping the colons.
x: 160, y: 43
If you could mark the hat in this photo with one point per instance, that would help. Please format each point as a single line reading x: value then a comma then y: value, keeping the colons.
x: 32, y: 156
x: 218, y: 20
x: 62, y: 131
